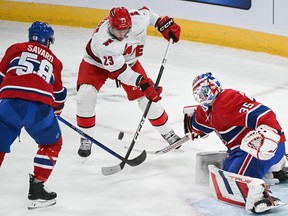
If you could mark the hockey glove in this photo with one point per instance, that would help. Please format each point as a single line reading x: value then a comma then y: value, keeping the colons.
x: 147, y: 87
x: 169, y: 29
x: 191, y: 133
x: 261, y: 143
x: 58, y: 109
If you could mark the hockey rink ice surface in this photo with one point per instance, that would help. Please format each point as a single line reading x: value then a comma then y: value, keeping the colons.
x: 163, y: 185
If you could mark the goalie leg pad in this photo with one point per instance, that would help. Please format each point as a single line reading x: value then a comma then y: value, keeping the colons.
x: 241, y: 190
x: 229, y: 187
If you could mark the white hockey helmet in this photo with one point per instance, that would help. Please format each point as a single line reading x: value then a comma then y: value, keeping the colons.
x: 205, y: 88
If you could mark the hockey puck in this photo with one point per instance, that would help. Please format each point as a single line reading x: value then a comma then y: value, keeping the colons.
x: 120, y: 135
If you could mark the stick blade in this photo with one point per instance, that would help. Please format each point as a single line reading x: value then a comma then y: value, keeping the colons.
x: 172, y: 146
x: 112, y: 169
x: 138, y: 160
x: 117, y: 168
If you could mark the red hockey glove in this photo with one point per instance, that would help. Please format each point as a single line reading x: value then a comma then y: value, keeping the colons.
x: 169, y: 29
x: 58, y: 109
x: 147, y: 86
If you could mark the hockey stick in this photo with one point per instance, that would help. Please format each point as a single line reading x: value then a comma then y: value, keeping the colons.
x: 167, y: 148
x: 134, y: 162
x: 119, y: 167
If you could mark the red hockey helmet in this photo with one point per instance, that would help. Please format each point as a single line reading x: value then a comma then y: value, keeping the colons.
x: 120, y: 19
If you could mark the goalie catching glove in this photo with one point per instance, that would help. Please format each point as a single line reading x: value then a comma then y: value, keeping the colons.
x: 261, y: 143
x: 169, y: 29
x: 191, y: 133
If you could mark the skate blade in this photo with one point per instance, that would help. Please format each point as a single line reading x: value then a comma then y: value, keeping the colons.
x: 39, y: 203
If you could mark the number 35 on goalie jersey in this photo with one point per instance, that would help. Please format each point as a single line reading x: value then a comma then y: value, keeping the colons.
x: 32, y: 72
x: 233, y: 115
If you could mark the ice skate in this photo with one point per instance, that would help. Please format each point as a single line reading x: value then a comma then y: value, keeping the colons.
x: 171, y: 138
x: 281, y: 175
x: 267, y: 203
x: 38, y: 196
x: 278, y: 173
x: 85, y: 148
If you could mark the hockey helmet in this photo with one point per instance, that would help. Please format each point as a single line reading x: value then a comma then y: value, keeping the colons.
x: 120, y: 19
x: 41, y: 32
x: 205, y: 88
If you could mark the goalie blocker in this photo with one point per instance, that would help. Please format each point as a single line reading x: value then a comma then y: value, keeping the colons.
x: 243, y: 191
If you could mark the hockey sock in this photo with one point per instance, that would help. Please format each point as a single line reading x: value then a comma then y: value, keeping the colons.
x: 45, y: 160
x: 2, y: 154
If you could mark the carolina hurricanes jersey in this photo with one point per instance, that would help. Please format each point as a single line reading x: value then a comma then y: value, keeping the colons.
x: 232, y: 116
x: 32, y: 72
x: 105, y: 51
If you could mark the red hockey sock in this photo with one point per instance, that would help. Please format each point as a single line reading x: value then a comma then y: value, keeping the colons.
x: 2, y: 154
x: 45, y: 160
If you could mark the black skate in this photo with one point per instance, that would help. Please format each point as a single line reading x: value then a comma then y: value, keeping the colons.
x: 268, y: 202
x: 171, y: 138
x: 38, y: 196
x: 85, y: 147
x: 281, y: 175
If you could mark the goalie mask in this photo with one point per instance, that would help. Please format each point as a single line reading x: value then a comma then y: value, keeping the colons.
x: 205, y: 88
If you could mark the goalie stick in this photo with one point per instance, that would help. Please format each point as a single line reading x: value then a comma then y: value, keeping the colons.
x: 114, y: 169
x: 133, y: 162
x: 167, y: 148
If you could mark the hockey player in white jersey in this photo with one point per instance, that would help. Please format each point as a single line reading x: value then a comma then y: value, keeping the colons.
x: 113, y: 53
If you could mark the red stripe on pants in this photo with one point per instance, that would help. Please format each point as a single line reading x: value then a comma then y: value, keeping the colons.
x: 86, y: 122
x: 161, y: 120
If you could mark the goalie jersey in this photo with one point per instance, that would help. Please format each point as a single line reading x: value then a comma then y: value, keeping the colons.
x: 32, y: 72
x: 232, y: 116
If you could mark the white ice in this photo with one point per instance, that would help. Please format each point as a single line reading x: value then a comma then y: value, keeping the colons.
x: 163, y: 185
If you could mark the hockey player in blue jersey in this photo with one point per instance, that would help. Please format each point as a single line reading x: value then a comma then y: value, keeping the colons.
x: 31, y: 93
